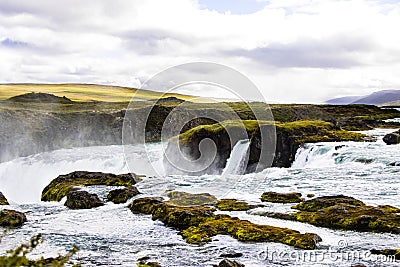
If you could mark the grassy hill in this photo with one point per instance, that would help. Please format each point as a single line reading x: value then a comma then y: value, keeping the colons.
x: 88, y: 92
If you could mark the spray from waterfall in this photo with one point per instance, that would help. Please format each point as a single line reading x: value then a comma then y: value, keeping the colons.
x: 237, y: 160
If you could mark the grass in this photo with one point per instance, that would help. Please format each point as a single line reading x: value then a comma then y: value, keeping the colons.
x: 88, y: 92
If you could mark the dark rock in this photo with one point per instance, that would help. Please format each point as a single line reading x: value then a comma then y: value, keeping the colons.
x: 229, y: 263
x: 142, y: 263
x: 82, y: 200
x: 3, y: 200
x: 392, y: 138
x: 281, y: 197
x: 318, y: 203
x: 122, y: 195
x: 310, y: 195
x: 11, y: 218
x: 60, y: 186
x: 231, y: 255
x: 198, y: 224
x: 188, y: 199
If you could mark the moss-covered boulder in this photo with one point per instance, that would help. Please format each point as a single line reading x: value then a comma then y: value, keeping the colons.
x: 3, y: 200
x: 230, y: 263
x: 281, y: 197
x: 198, y: 224
x: 233, y: 205
x: 392, y: 138
x: 318, y: 203
x: 264, y: 150
x: 394, y: 253
x: 148, y: 264
x: 11, y: 218
x: 82, y: 200
x: 60, y: 186
x: 122, y: 195
x: 188, y: 199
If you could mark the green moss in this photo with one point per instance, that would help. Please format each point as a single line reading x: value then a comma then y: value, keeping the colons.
x: 187, y: 199
x: 326, y: 201
x: 59, y: 187
x: 281, y: 197
x: 3, y: 200
x: 198, y: 225
x: 232, y: 205
x: 11, y: 218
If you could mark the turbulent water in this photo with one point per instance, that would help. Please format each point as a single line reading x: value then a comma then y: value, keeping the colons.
x: 112, y: 236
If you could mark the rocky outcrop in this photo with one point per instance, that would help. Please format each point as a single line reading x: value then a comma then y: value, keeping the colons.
x: 264, y: 151
x: 63, y: 184
x: 345, y: 213
x: 121, y: 195
x: 3, y: 200
x: 233, y: 205
x: 230, y: 263
x: 392, y: 138
x: 40, y: 98
x: 11, y: 218
x: 281, y: 197
x: 187, y: 199
x: 82, y: 200
x: 198, y: 224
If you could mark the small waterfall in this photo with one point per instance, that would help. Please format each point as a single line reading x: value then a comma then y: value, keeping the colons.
x: 236, y: 162
x: 316, y: 155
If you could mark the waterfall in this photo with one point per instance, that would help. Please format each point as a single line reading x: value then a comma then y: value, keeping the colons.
x: 316, y: 155
x: 236, y: 162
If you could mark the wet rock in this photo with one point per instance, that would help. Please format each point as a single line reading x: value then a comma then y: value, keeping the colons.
x: 122, y: 195
x: 233, y: 205
x: 188, y: 199
x: 229, y: 263
x: 3, y: 200
x: 198, y: 224
x: 392, y: 138
x: 60, y: 186
x: 281, y: 197
x: 310, y: 195
x: 11, y: 218
x: 82, y: 200
x: 231, y: 255
x: 148, y: 264
x: 318, y: 203
x: 395, y: 253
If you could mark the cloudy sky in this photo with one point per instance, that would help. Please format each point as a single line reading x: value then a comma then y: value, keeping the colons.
x: 293, y: 50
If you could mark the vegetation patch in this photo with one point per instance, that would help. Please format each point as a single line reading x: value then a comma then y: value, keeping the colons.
x: 233, y: 205
x: 281, y: 197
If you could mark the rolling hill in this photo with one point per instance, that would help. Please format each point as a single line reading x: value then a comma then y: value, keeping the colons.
x: 377, y: 98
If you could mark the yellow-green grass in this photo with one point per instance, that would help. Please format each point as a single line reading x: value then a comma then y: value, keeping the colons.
x: 88, y: 92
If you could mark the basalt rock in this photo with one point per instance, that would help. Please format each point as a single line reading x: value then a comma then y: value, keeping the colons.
x: 11, y: 218
x: 318, y: 203
x: 3, y: 200
x: 392, y: 138
x: 198, y: 224
x: 82, y: 200
x: 60, y: 186
x: 281, y: 197
x: 230, y: 263
x: 233, y: 205
x: 188, y: 199
x: 122, y: 195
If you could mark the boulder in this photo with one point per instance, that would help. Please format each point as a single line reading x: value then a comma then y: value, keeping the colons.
x: 122, y: 195
x: 233, y: 205
x: 188, y: 199
x: 60, y: 186
x: 281, y: 197
x: 230, y: 263
x: 3, y: 200
x: 82, y: 200
x: 392, y: 138
x: 11, y: 218
x: 318, y: 203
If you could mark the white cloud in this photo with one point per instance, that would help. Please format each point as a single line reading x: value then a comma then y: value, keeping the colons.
x: 299, y: 50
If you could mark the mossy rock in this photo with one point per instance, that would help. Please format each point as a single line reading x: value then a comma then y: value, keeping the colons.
x: 60, y: 186
x: 188, y: 199
x: 11, y: 218
x: 233, y: 205
x: 3, y: 200
x: 350, y: 217
x: 395, y: 253
x: 148, y: 264
x: 318, y: 203
x: 392, y: 138
x: 82, y: 200
x: 122, y: 195
x: 198, y: 224
x: 275, y: 197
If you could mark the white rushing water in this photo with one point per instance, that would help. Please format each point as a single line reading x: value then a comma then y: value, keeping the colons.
x: 112, y: 236
x: 236, y: 162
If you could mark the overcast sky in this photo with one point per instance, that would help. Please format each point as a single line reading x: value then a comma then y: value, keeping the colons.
x: 294, y: 51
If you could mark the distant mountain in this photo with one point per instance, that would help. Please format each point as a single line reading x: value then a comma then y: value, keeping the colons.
x: 377, y: 98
